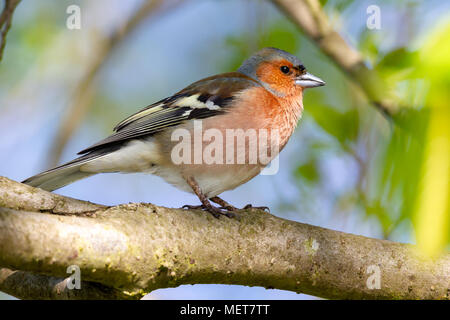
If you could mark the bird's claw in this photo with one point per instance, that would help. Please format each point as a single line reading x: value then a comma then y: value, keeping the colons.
x: 192, y: 207
x: 263, y: 208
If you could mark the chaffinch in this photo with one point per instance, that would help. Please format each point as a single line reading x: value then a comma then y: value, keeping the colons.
x: 263, y: 96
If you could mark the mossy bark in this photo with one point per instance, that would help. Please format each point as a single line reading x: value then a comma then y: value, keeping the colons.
x: 136, y: 248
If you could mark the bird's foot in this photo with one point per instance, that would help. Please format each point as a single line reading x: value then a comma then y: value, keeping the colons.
x: 223, y: 204
x: 263, y: 208
x: 216, y: 212
x: 206, y: 204
x: 191, y: 207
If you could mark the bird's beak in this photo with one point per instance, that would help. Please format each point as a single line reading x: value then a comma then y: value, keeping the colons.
x: 307, y: 80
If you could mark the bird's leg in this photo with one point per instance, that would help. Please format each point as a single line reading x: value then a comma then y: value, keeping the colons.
x: 206, y: 205
x: 223, y: 204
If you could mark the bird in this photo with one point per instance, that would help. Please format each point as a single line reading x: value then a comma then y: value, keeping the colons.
x: 264, y: 95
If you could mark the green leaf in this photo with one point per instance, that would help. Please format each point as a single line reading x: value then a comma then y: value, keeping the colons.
x: 398, y: 59
x: 282, y: 36
x: 341, y: 125
x: 308, y: 171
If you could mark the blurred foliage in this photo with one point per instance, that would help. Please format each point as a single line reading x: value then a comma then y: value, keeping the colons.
x: 367, y: 45
x: 433, y: 201
x: 26, y: 42
x: 343, y: 126
x: 389, y: 155
x: 280, y: 35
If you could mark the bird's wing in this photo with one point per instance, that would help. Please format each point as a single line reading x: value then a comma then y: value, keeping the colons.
x: 202, y: 99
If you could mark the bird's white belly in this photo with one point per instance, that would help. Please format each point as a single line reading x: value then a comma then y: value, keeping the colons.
x: 211, y: 181
x: 144, y: 156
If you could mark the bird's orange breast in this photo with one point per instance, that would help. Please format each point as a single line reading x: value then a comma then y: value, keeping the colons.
x: 261, y: 109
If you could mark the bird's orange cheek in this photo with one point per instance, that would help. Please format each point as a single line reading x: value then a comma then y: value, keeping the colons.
x: 271, y: 75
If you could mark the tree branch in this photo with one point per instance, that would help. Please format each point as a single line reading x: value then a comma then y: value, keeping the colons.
x: 5, y: 22
x: 25, y: 285
x: 137, y: 248
x: 311, y: 19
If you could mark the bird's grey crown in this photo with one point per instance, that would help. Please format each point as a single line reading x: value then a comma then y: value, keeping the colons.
x: 248, y: 67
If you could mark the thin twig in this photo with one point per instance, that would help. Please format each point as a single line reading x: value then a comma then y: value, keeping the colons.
x: 5, y: 22
x: 26, y: 285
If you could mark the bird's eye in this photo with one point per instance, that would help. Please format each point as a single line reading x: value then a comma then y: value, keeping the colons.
x: 284, y: 69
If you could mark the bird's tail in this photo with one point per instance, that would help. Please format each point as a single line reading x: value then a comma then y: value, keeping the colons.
x: 62, y: 175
